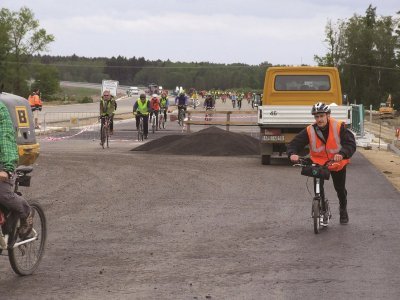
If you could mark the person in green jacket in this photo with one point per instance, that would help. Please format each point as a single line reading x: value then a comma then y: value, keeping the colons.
x: 108, y: 106
x: 8, y: 162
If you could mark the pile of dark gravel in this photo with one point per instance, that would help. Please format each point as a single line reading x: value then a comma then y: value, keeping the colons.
x: 211, y: 141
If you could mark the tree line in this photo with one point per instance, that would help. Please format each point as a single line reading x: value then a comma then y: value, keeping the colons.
x: 365, y: 49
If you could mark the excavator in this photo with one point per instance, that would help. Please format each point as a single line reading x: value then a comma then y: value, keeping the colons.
x: 386, y: 109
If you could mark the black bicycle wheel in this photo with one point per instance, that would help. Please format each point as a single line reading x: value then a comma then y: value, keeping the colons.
x: 141, y: 131
x: 102, y: 136
x: 107, y: 135
x: 316, y: 215
x: 24, y: 259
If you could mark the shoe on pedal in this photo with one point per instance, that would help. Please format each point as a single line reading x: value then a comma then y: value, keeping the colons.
x: 344, y: 216
x: 26, y: 225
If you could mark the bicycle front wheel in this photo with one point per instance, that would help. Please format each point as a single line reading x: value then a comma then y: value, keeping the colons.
x: 25, y: 258
x: 102, y: 136
x: 316, y: 215
x: 107, y: 135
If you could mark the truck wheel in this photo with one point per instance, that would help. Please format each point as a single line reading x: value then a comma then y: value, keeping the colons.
x: 266, y: 159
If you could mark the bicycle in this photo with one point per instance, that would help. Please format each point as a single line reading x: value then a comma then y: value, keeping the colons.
x: 140, y: 128
x: 209, y: 113
x: 320, y: 211
x: 24, y: 254
x: 154, y: 122
x: 161, y: 120
x: 105, y: 131
x: 181, y: 114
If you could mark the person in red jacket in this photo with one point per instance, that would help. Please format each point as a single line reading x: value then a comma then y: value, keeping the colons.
x: 329, y: 140
x: 155, y: 108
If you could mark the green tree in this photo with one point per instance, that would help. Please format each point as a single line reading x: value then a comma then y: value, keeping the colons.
x: 364, y: 50
x: 46, y: 80
x: 25, y: 39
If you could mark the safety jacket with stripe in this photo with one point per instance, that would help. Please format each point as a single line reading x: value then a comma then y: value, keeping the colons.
x: 142, y: 108
x: 321, y: 152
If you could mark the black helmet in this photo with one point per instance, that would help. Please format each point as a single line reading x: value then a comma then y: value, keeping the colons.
x: 142, y: 96
x: 320, y: 108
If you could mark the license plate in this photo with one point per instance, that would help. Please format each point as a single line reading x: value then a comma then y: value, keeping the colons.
x: 274, y: 138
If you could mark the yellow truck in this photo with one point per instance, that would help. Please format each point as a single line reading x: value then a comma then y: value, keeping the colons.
x: 22, y: 118
x: 289, y: 93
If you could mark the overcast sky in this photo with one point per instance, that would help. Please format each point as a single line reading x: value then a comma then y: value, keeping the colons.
x: 220, y: 31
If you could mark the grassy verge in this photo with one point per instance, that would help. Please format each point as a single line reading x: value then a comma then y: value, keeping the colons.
x: 73, y: 95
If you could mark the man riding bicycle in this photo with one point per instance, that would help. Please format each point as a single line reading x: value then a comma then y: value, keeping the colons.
x: 181, y: 101
x: 209, y: 103
x: 108, y: 106
x: 164, y: 104
x: 329, y: 140
x: 155, y: 107
x: 141, y: 108
x: 8, y: 162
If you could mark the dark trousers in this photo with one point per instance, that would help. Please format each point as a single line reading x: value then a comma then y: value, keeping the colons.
x: 339, y: 182
x: 12, y: 201
x: 145, y: 123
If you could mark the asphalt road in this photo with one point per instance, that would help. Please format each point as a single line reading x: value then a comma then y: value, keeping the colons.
x: 129, y: 225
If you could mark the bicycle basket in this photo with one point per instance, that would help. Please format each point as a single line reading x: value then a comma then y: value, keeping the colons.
x: 321, y: 172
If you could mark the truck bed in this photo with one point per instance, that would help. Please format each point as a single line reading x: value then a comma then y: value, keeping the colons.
x: 295, y: 116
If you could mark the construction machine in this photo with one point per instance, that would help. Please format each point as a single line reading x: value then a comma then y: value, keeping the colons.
x: 386, y: 109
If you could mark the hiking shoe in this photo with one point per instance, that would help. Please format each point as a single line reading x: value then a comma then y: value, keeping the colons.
x: 26, y: 225
x: 145, y: 136
x: 344, y: 216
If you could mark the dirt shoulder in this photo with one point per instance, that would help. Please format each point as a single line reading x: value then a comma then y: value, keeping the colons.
x: 385, y: 161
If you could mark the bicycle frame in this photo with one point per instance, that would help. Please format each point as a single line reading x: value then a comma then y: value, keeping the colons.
x: 320, y: 211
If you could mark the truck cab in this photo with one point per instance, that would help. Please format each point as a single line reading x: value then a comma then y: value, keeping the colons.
x: 24, y: 126
x: 288, y: 95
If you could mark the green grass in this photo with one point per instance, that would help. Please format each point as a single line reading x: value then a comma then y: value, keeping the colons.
x: 68, y: 95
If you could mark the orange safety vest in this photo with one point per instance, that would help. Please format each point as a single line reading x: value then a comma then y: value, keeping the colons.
x: 321, y: 153
x: 34, y: 101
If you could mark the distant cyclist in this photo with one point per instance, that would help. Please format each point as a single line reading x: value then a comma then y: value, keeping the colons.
x: 164, y: 104
x: 155, y: 108
x: 142, y: 108
x: 181, y: 101
x: 329, y: 140
x: 209, y: 103
x: 108, y: 106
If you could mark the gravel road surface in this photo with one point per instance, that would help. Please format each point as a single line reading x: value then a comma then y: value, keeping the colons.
x: 130, y: 225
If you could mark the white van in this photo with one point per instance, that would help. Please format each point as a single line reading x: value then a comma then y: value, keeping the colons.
x: 133, y: 90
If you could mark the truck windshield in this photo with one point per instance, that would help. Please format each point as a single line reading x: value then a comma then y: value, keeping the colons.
x: 302, y: 83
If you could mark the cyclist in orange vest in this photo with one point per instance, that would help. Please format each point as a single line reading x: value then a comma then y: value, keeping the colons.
x: 329, y: 140
x: 36, y: 105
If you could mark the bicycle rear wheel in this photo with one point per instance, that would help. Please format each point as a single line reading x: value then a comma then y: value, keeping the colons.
x: 316, y: 215
x: 25, y: 258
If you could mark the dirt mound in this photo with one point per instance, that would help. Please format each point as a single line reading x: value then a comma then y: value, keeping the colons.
x: 211, y: 141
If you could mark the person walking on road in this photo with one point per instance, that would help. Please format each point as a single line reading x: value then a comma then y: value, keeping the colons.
x: 142, y: 108
x: 329, y: 140
x: 108, y: 106
x: 8, y: 162
x: 36, y: 105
